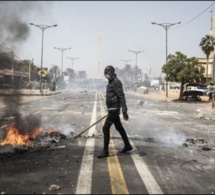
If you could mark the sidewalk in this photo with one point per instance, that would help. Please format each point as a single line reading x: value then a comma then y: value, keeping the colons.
x: 27, y: 95
x: 204, y: 107
x: 27, y: 92
x: 158, y: 95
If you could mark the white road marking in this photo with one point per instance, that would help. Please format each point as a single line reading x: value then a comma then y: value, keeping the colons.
x: 85, y: 176
x: 36, y: 112
x: 144, y: 172
x: 165, y: 113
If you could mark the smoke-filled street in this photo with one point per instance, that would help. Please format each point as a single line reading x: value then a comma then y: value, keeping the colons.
x: 169, y: 147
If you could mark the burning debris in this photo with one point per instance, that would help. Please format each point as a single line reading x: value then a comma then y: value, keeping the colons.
x: 32, y: 140
x: 14, y: 137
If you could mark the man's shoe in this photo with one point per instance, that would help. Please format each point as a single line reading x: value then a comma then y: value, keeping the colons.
x: 103, y: 154
x: 126, y: 148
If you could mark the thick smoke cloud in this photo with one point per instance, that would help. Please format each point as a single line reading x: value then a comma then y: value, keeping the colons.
x: 14, y: 31
x: 14, y: 24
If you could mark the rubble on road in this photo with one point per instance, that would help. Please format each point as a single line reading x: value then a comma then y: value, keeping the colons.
x: 192, y: 141
x: 164, y: 100
x: 200, y: 116
x: 200, y: 142
x: 54, y: 187
x: 140, y: 103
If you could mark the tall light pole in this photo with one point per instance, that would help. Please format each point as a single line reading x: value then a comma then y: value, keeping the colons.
x: 43, y: 28
x: 62, y: 50
x: 166, y: 26
x: 72, y: 59
x: 136, y: 52
x: 126, y: 61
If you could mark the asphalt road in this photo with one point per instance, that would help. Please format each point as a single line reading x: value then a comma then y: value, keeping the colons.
x: 158, y: 163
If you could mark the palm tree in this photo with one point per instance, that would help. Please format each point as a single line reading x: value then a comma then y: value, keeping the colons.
x: 207, y: 44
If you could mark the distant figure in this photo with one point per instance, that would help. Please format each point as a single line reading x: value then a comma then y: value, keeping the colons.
x: 115, y: 99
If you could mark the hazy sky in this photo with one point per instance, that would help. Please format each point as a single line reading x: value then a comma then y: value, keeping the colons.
x: 124, y: 25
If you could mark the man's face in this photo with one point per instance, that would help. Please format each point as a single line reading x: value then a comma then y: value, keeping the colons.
x: 107, y: 71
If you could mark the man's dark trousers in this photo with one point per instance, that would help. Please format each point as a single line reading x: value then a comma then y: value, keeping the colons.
x: 113, y: 118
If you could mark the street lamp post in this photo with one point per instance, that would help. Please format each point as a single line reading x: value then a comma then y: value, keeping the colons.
x: 72, y: 59
x: 136, y: 52
x: 126, y: 61
x: 62, y: 50
x: 166, y: 26
x: 43, y: 28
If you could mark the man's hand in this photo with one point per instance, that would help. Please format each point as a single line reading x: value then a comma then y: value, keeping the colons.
x: 125, y: 116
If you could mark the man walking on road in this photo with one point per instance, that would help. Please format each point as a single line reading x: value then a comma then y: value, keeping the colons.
x: 115, y: 99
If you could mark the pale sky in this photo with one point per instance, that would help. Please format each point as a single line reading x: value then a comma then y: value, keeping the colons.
x: 124, y: 25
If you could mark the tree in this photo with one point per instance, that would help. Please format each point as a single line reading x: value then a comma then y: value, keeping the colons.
x: 82, y: 75
x: 182, y: 69
x: 71, y: 73
x: 207, y: 44
x: 54, y: 73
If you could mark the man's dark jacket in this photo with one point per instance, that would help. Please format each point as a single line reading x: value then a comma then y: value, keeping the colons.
x: 114, y: 94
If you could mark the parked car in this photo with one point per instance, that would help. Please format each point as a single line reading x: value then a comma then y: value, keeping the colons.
x: 202, y: 89
x: 192, y: 94
x: 196, y: 87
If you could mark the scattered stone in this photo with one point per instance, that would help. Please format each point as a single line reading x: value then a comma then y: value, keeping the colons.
x: 190, y: 140
x: 185, y: 144
x: 54, y: 187
x: 140, y: 103
x: 200, y: 141
x: 206, y: 148
x: 200, y: 116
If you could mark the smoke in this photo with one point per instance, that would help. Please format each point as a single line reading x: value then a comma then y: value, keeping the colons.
x: 14, y: 31
x: 27, y: 124
x: 172, y: 138
x: 14, y: 28
x: 12, y: 103
x: 65, y: 128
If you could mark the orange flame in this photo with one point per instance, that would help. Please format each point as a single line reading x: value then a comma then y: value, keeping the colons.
x: 51, y: 131
x: 13, y: 136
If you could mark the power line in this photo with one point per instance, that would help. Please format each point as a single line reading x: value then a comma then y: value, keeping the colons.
x: 194, y: 17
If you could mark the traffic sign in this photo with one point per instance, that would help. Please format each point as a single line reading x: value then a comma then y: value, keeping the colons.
x: 42, y: 73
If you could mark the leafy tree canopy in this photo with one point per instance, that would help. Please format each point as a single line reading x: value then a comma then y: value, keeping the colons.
x: 180, y: 68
